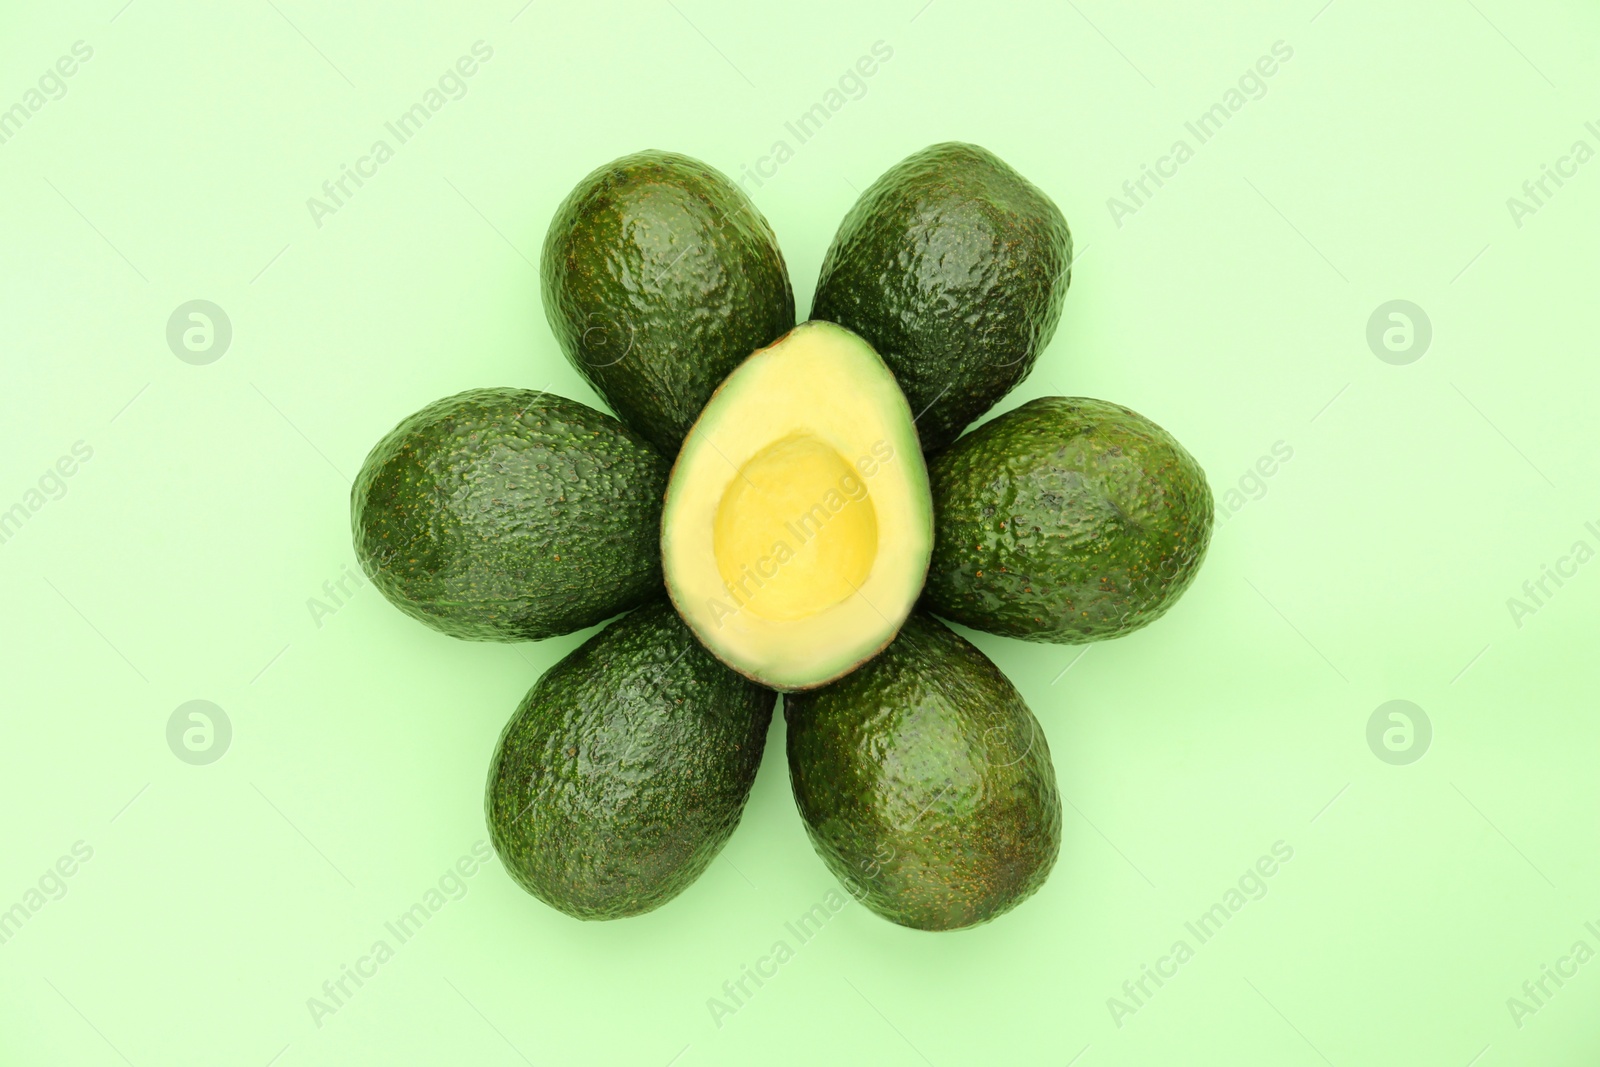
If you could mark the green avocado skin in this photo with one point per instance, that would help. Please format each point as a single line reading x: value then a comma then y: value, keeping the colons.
x: 625, y: 769
x: 659, y: 277
x: 506, y: 514
x: 925, y: 782
x: 1065, y: 520
x: 954, y: 267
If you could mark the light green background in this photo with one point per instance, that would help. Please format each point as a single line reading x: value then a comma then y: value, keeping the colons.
x: 1232, y: 308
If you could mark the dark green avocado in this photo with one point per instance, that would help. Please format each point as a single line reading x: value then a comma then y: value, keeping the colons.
x: 659, y: 277
x: 625, y: 769
x: 1065, y: 520
x: 505, y: 514
x: 926, y: 783
x: 954, y: 267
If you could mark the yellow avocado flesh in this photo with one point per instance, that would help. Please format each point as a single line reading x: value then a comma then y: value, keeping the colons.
x: 798, y: 524
x: 796, y: 531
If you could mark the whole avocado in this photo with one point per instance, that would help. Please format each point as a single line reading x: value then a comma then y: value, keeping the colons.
x: 925, y: 782
x: 1065, y: 520
x: 659, y: 277
x: 506, y: 514
x: 625, y: 769
x: 954, y: 267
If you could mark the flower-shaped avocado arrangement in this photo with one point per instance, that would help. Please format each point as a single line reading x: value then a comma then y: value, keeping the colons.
x: 782, y: 507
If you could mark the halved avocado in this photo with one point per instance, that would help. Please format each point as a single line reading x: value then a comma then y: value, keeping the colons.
x: 797, y: 526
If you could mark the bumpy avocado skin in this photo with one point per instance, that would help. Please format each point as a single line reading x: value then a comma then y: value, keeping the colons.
x: 954, y: 267
x: 925, y: 782
x: 1065, y: 520
x: 625, y: 769
x: 659, y: 277
x: 506, y: 514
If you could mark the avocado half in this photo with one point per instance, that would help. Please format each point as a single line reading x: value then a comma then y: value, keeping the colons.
x: 798, y: 524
